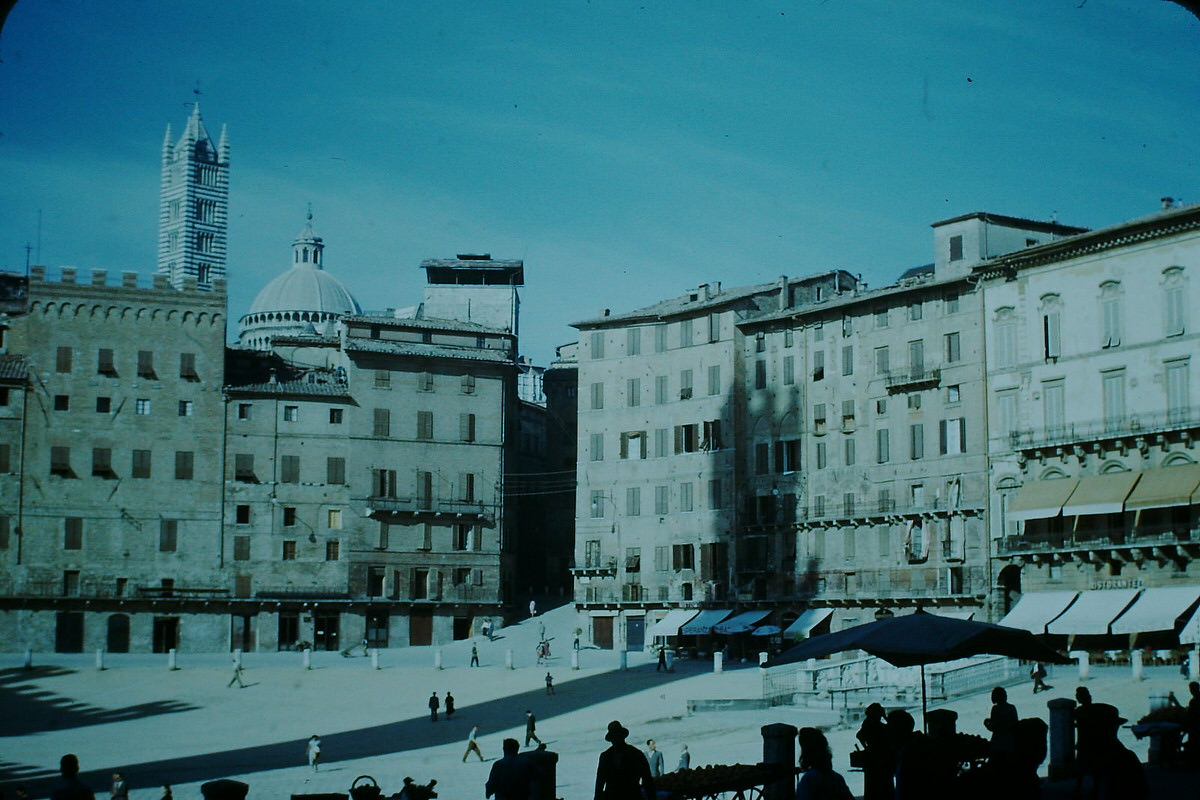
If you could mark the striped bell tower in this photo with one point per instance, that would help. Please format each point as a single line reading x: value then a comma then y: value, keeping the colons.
x: 193, y: 209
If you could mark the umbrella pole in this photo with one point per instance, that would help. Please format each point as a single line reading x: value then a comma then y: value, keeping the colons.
x: 924, y: 702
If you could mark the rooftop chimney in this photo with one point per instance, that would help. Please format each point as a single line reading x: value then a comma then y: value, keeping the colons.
x: 1168, y: 202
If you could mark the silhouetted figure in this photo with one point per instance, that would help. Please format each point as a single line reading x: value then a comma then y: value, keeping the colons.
x: 1002, y: 753
x: 71, y: 789
x: 914, y: 771
x: 512, y: 776
x: 434, y: 705
x: 1191, y: 725
x: 662, y: 659
x: 819, y: 781
x: 1119, y: 773
x: 549, y: 683
x: 654, y: 757
x: 474, y: 655
x: 531, y: 728
x: 879, y: 762
x: 1031, y: 752
x: 449, y: 705
x: 623, y: 772
x: 1085, y: 748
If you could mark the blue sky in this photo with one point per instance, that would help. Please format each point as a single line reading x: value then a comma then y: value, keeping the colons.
x: 627, y: 151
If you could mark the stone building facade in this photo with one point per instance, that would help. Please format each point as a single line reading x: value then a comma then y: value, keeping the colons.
x: 114, y: 417
x: 1092, y: 395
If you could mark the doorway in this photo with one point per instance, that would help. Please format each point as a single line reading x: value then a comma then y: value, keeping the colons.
x: 635, y: 633
x: 68, y: 632
x: 602, y: 632
x: 377, y: 628
x: 166, y: 634
x: 117, y: 640
x: 289, y: 630
x: 325, y: 631
x: 420, y: 628
x: 241, y: 632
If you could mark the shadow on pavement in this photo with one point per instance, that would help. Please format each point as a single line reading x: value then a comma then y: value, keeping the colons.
x: 28, y: 709
x: 414, y: 733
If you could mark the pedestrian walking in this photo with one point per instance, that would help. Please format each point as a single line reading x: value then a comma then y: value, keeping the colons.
x: 1002, y: 751
x: 314, y: 752
x: 166, y: 795
x: 237, y: 677
x: 531, y: 728
x: 685, y: 759
x: 434, y: 705
x: 533, y: 608
x: 472, y: 745
x: 623, y: 772
x: 654, y: 757
x: 474, y: 655
x: 549, y: 683
x: 119, y: 790
x: 1038, y: 673
x: 662, y: 659
x: 449, y: 705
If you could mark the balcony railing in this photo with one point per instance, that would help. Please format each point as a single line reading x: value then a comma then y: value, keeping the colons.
x: 832, y: 512
x: 1100, y: 429
x: 910, y: 381
x: 302, y: 593
x: 1101, y: 538
x: 96, y: 590
x: 598, y: 569
x: 422, y: 506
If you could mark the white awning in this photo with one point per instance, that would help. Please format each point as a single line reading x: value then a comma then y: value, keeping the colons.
x: 1093, y: 612
x: 1190, y: 633
x: 1157, y: 609
x: 767, y: 630
x: 955, y: 613
x: 742, y: 622
x: 1041, y: 499
x: 703, y: 622
x: 670, y: 624
x: 804, y: 623
x: 1100, y: 494
x: 1161, y: 488
x: 1035, y: 610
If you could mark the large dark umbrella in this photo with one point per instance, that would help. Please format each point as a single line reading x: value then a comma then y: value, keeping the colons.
x: 920, y: 639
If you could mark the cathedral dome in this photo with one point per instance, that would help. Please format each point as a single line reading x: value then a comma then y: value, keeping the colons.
x: 305, y: 287
x: 303, y: 301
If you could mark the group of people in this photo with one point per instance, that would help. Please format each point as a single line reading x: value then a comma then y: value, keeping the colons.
x: 902, y: 763
x: 436, y: 705
x: 72, y: 788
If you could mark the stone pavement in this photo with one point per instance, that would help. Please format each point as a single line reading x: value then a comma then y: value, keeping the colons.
x: 185, y: 727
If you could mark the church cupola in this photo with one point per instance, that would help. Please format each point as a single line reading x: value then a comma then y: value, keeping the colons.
x: 306, y: 250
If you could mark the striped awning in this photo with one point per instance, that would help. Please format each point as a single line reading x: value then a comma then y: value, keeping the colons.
x: 671, y: 623
x: 1093, y: 612
x: 1157, y: 609
x: 703, y: 622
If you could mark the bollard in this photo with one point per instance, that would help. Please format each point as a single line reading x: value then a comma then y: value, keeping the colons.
x: 375, y: 658
x: 574, y: 659
x: 624, y: 660
x: 718, y: 663
x: 670, y: 661
x: 237, y: 657
x: 28, y: 658
x: 1135, y: 661
x: 508, y: 662
x: 1082, y: 657
x: 546, y: 762
x: 779, y: 747
x: 1062, y: 738
x: 100, y: 658
x: 437, y: 658
x: 307, y: 658
x: 762, y: 659
x: 171, y: 659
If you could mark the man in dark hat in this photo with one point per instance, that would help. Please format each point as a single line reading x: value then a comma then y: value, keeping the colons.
x: 1119, y: 773
x: 623, y: 772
